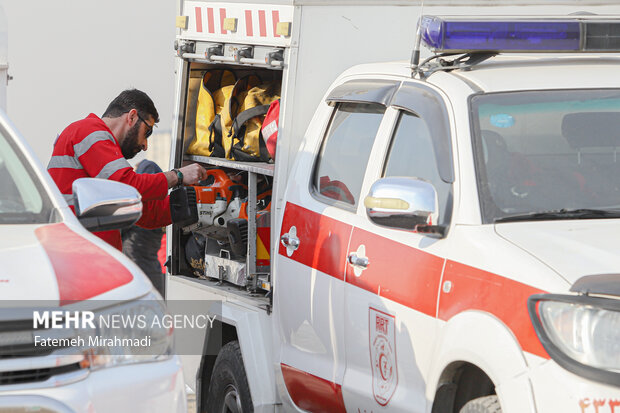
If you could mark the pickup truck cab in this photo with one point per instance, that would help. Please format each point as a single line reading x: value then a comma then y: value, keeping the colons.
x: 507, y: 290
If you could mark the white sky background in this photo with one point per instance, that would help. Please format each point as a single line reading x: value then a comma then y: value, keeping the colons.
x: 69, y: 58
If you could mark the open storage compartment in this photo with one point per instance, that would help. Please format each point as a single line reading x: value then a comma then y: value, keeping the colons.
x: 231, y: 241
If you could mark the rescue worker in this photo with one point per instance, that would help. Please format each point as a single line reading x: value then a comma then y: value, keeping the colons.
x: 99, y: 148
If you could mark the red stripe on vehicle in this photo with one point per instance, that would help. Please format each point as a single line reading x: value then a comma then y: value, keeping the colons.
x: 222, y: 17
x: 249, y: 30
x: 262, y: 23
x: 323, y: 241
x: 414, y: 275
x: 475, y: 289
x: 312, y: 393
x: 210, y: 20
x: 275, y: 17
x: 198, y: 19
x: 83, y: 270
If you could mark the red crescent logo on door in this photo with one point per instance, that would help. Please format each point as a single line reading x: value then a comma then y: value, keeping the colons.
x: 382, y: 355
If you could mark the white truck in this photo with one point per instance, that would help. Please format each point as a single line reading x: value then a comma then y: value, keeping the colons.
x: 49, y: 259
x: 443, y: 237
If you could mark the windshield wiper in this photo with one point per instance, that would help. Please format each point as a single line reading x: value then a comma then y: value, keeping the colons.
x: 558, y: 214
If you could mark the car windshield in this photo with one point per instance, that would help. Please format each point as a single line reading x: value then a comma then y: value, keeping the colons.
x: 552, y: 154
x: 22, y: 197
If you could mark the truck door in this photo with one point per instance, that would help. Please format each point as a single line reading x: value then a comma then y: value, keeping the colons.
x: 392, y: 275
x: 323, y: 194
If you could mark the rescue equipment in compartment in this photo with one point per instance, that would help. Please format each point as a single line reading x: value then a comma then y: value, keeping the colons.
x: 211, y: 98
x: 182, y: 206
x: 217, y: 246
x: 269, y: 130
x: 217, y: 200
x: 238, y: 229
x: 195, y: 254
x: 248, y: 144
x: 233, y: 104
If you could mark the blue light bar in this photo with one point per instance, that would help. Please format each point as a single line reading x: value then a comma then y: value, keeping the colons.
x: 520, y: 35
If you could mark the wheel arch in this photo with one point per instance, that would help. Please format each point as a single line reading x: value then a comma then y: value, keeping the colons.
x: 252, y: 329
x: 460, y: 382
x: 477, y: 344
x: 207, y: 363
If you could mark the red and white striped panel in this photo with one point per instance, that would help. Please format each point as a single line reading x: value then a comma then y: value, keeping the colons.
x: 256, y: 23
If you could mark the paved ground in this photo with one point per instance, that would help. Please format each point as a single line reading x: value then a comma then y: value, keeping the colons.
x: 191, y: 403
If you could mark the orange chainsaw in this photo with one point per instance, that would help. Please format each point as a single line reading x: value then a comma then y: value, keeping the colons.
x: 219, y: 200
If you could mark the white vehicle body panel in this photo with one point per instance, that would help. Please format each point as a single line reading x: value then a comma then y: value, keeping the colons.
x: 321, y: 329
x: 581, y: 247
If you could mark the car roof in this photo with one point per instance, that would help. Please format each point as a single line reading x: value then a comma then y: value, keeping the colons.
x: 517, y: 72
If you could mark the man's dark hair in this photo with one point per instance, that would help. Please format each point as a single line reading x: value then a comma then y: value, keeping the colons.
x: 132, y: 99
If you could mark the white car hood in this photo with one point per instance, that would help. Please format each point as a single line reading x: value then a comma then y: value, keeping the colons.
x: 573, y: 248
x: 25, y: 270
x: 53, y: 262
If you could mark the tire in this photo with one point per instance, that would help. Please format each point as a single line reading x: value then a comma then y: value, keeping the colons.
x: 487, y: 404
x: 229, y: 391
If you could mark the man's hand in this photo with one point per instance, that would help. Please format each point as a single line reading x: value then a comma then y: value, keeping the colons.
x: 191, y: 175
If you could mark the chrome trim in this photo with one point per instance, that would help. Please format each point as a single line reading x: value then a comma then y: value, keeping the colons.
x: 92, y: 193
x: 41, y: 362
x: 417, y: 199
x: 360, y: 262
x: 290, y: 241
x: 52, y: 382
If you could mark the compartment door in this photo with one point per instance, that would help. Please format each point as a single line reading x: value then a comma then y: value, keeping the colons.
x: 321, y: 199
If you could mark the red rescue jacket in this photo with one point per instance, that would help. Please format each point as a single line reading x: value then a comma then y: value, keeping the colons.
x: 87, y: 148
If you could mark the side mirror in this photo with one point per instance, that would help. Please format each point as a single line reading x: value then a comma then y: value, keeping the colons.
x: 103, y: 205
x: 404, y: 203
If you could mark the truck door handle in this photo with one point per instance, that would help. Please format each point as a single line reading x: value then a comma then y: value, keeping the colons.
x: 290, y: 241
x: 359, y: 262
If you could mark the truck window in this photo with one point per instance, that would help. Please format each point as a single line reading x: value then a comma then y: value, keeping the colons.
x: 411, y: 154
x: 540, y: 151
x: 344, y: 154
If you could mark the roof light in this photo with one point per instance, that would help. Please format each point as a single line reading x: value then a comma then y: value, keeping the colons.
x: 520, y: 35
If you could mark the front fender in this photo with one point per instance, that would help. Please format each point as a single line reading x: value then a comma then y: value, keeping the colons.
x: 481, y: 339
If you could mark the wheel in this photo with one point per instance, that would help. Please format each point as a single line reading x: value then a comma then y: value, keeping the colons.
x: 487, y: 404
x: 229, y: 391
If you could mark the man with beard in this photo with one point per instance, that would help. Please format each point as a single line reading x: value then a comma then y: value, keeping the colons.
x: 99, y: 148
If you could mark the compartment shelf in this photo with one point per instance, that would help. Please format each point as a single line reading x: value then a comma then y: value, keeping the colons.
x: 256, y: 167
